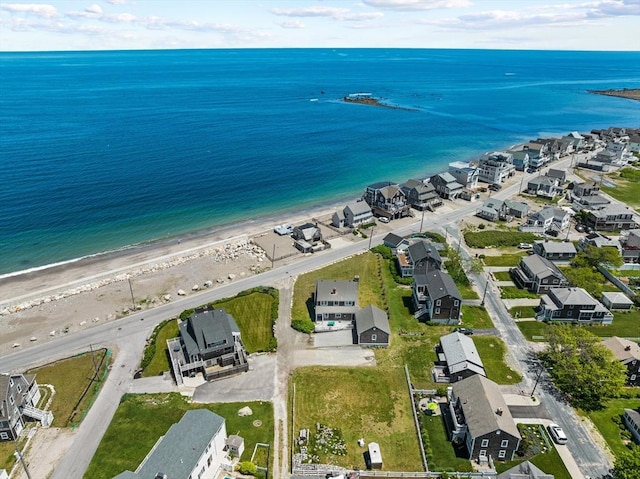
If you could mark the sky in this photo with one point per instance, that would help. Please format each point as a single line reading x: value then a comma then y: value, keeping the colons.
x: 169, y: 24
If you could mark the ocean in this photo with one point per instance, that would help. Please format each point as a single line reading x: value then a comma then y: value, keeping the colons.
x: 101, y: 150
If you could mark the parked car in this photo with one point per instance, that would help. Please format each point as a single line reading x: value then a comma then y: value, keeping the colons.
x: 483, y: 190
x: 525, y: 246
x: 580, y: 228
x: 283, y: 230
x: 553, y: 233
x: 531, y: 170
x: 557, y: 434
x: 495, y: 187
x: 467, y: 331
x: 383, y: 219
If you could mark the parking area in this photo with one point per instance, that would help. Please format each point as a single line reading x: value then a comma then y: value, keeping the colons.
x: 343, y: 337
x: 272, y: 242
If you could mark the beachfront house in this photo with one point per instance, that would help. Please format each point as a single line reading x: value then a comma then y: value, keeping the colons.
x: 576, y: 140
x: 480, y: 419
x: 193, y: 447
x: 496, y: 167
x: 387, y: 199
x: 436, y: 297
x: 628, y: 353
x: 572, y: 305
x: 458, y: 359
x: 520, y: 159
x: 446, y: 186
x: 354, y: 214
x: 538, y: 153
x: 538, y: 275
x: 210, y: 344
x: 465, y: 173
x: 19, y: 398
x: 634, y: 144
x: 421, y: 195
x: 335, y: 303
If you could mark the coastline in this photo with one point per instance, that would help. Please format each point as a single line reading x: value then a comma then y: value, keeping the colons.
x: 628, y: 93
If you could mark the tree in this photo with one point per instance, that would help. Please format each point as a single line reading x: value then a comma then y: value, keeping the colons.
x: 582, y: 367
x: 628, y: 464
x: 588, y: 278
x: 593, y: 257
x: 247, y: 468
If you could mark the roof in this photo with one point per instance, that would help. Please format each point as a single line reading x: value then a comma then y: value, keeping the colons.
x: 208, y: 330
x: 516, y: 205
x: 484, y: 408
x: 374, y: 453
x: 393, y: 239
x: 525, y: 470
x: 379, y: 184
x: 421, y: 250
x: 623, y: 349
x: 543, y: 180
x: 336, y: 290
x: 616, y: 298
x: 560, y: 174
x: 557, y: 247
x: 372, y: 317
x: 575, y: 296
x: 460, y: 353
x: 447, y: 177
x: 177, y: 453
x: 358, y: 207
x: 440, y: 284
x: 541, y: 266
x: 493, y: 203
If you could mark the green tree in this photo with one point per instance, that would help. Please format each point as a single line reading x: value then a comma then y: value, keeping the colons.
x: 582, y: 367
x: 247, y: 468
x: 593, y: 257
x: 628, y: 464
x: 588, y: 278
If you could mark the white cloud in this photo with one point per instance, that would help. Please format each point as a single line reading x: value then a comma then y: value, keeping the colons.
x: 119, y: 18
x: 615, y: 8
x: 96, y: 9
x: 291, y: 24
x: 335, y: 13
x: 416, y: 5
x: 36, y: 9
x: 117, y: 2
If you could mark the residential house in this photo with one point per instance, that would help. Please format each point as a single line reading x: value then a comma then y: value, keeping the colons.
x: 538, y: 153
x: 396, y: 242
x: 372, y: 327
x: 421, y: 195
x: 630, y: 244
x: 517, y: 209
x: 631, y: 419
x: 550, y: 148
x: 481, y: 420
x: 387, y: 199
x: 353, y: 215
x: 615, y: 301
x: 545, y: 186
x: 560, y: 175
x: 614, y: 217
x: 576, y: 139
x: 628, y: 353
x: 436, y: 297
x: 496, y: 167
x: 419, y: 253
x: 458, y: 359
x: 549, y: 217
x: 617, y: 149
x: 573, y: 305
x: 525, y: 470
x: 520, y: 159
x: 555, y: 250
x: 210, y: 343
x: 468, y: 195
x: 193, y: 447
x: 605, y: 157
x: 538, y: 275
x: 234, y: 445
x: 307, y: 238
x: 19, y: 398
x: 634, y: 144
x: 493, y: 209
x: 584, y: 188
x: 446, y: 186
x: 336, y: 302
x: 464, y: 173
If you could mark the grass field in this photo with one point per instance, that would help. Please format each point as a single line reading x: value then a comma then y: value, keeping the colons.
x: 467, y: 292
x: 441, y: 455
x: 492, y: 351
x: 7, y: 448
x: 504, y: 259
x: 626, y: 273
x: 523, y: 312
x: 142, y: 418
x: 533, y: 328
x: 497, y: 239
x: 159, y: 361
x: 603, y: 420
x: 624, y: 325
x: 75, y: 389
x: 361, y: 402
x: 476, y: 317
x: 626, y: 189
x: 502, y: 275
x: 513, y: 292
x: 369, y: 292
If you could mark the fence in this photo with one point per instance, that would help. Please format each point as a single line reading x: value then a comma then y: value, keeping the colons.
x: 625, y: 289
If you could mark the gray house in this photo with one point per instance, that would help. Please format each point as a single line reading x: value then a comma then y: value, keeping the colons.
x: 336, y: 302
x: 436, y: 297
x: 193, y: 447
x: 19, y: 397
x: 554, y: 250
x: 525, y: 470
x: 419, y: 253
x: 613, y: 217
x: 631, y: 419
x: 386, y: 199
x: 496, y: 167
x: 446, y: 186
x: 545, y: 186
x: 549, y: 217
x: 538, y: 275
x: 458, y: 359
x: 210, y: 344
x: 421, y: 195
x: 464, y: 173
x: 353, y: 215
x: 480, y: 419
x: 628, y: 353
x: 372, y: 327
x: 572, y: 305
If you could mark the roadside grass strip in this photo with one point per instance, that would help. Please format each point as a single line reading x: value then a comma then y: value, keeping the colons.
x: 492, y: 351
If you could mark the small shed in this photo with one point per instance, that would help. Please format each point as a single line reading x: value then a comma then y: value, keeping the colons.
x: 235, y: 445
x: 375, y: 456
x: 616, y: 301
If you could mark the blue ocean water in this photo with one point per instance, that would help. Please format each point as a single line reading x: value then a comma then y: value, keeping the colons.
x: 99, y: 150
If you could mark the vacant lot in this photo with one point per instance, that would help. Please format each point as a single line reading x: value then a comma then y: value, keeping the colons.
x: 513, y: 292
x: 492, y: 351
x: 142, y: 418
x: 476, y: 317
x: 497, y: 238
x: 504, y: 260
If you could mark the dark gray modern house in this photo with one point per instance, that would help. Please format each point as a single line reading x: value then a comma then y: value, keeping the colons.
x: 458, y: 359
x: 436, y: 297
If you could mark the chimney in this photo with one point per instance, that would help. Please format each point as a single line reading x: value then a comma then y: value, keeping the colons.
x: 356, y: 278
x: 627, y: 348
x: 499, y: 411
x: 334, y: 291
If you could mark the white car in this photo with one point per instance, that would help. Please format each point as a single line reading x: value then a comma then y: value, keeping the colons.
x: 557, y: 434
x: 525, y: 246
x: 285, y: 229
x: 383, y: 219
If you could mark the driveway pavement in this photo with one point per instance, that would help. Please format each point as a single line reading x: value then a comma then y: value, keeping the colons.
x: 343, y: 337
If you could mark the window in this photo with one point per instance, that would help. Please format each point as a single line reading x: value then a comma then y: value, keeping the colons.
x: 209, y: 460
x: 502, y: 454
x: 485, y: 443
x: 456, y: 302
x: 4, y: 436
x: 633, y: 377
x: 504, y: 443
x: 338, y: 315
x: 374, y: 337
x: 483, y: 453
x: 439, y: 302
x: 11, y: 400
x: 437, y: 310
x: 19, y: 388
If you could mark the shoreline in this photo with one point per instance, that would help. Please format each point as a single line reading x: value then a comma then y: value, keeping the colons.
x: 628, y: 93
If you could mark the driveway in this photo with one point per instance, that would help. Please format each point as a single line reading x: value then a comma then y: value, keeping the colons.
x: 343, y: 337
x: 345, y: 356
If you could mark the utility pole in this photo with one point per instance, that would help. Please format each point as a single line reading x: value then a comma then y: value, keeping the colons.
x: 93, y: 360
x: 537, y: 380
x: 18, y: 455
x: 371, y: 236
x: 131, y: 290
x: 521, y: 181
x: 421, y: 221
x: 273, y: 256
x: 486, y: 287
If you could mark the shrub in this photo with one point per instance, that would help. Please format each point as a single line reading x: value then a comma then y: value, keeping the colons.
x: 485, y: 239
x: 247, y: 468
x: 383, y: 251
x: 303, y: 325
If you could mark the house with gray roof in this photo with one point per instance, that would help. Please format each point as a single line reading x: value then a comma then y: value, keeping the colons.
x: 572, y: 305
x: 372, y: 327
x: 436, y: 297
x: 525, y: 470
x: 492, y: 210
x: 630, y: 244
x: 555, y: 250
x: 387, y: 199
x: 518, y: 209
x: 336, y: 303
x: 560, y: 175
x: 549, y: 217
x: 631, y: 419
x: 496, y: 167
x: 614, y: 300
x: 520, y: 159
x: 599, y: 241
x: 193, y: 447
x: 396, y: 242
x: 628, y: 353
x: 209, y: 344
x: 446, y: 186
x: 465, y: 173
x: 19, y: 398
x: 354, y: 214
x: 613, y: 217
x: 545, y: 186
x: 480, y: 419
x: 538, y: 275
x: 421, y: 195
x: 458, y: 359
x: 419, y: 253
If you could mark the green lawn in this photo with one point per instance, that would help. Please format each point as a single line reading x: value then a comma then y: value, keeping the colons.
x: 492, y: 351
x: 159, y: 361
x: 142, y: 418
x: 513, y: 292
x: 441, y: 455
x: 523, y: 312
x: 533, y: 328
x: 626, y: 273
x: 610, y: 430
x: 502, y: 276
x: 504, y: 259
x: 73, y: 380
x: 476, y: 317
x: 467, y: 292
x: 497, y: 239
x: 624, y: 325
x: 624, y: 191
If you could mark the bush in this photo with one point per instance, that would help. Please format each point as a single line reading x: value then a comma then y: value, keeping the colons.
x: 383, y: 251
x: 481, y: 226
x: 303, y: 325
x: 247, y: 468
x: 150, y: 349
x: 485, y: 239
